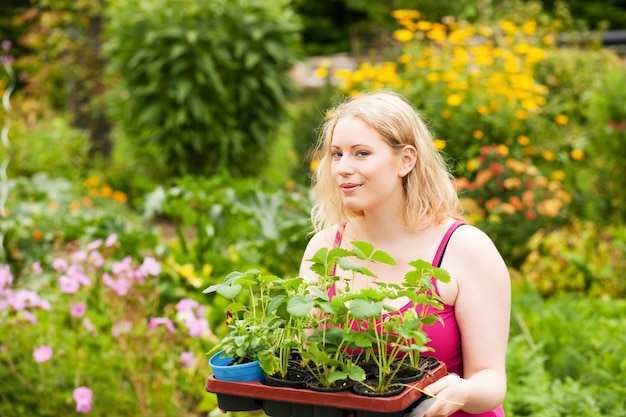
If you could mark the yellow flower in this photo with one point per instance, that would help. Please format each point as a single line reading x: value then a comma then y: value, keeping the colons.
x: 529, y: 28
x: 74, y: 205
x: 405, y: 14
x: 508, y: 27
x: 558, y: 175
x: 440, y: 144
x: 523, y: 140
x: 454, y: 100
x: 314, y: 165
x: 561, y: 119
x: 403, y: 35
x: 472, y: 165
x: 432, y: 77
x: 404, y: 58
x: 482, y: 109
x: 120, y: 197
x: 502, y: 150
x: 521, y: 114
x: 424, y: 25
x: 485, y: 31
x: 577, y: 154
x: 478, y: 134
x: 321, y: 72
x: 92, y: 182
x: 548, y: 155
x: 187, y: 271
x: 106, y: 191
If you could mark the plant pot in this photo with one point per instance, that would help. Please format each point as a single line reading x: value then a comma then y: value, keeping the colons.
x: 336, y: 386
x: 225, y: 370
x: 277, y: 408
x: 368, y: 388
x: 428, y: 363
x: 293, y: 379
x: 407, y: 374
x: 228, y: 402
x: 311, y: 403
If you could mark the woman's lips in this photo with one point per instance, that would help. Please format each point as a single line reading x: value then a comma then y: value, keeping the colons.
x: 349, y: 187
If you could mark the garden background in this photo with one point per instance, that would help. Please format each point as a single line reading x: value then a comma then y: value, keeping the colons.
x: 150, y: 147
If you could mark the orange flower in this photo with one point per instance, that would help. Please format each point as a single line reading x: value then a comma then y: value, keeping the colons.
x: 74, y: 205
x: 37, y: 234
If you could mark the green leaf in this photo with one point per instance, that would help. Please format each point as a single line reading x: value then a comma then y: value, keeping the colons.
x: 300, y: 306
x: 361, y: 308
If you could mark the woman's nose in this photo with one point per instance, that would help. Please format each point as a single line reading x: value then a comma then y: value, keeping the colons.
x: 345, y: 166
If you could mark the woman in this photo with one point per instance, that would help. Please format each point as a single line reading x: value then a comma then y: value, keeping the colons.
x: 381, y: 180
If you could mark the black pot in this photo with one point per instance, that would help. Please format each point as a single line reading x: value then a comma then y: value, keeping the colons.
x: 428, y: 363
x: 337, y: 386
x: 368, y: 413
x: 293, y: 379
x: 407, y: 373
x: 322, y: 411
x: 368, y: 388
x: 302, y: 410
x: 228, y: 402
x: 277, y: 408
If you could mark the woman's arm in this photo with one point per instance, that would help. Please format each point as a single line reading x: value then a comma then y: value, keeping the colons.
x: 482, y: 308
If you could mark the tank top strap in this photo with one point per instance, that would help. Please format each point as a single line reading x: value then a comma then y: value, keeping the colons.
x: 336, y: 244
x: 444, y: 243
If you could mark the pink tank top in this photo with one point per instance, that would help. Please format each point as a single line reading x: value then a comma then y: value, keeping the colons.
x: 445, y: 338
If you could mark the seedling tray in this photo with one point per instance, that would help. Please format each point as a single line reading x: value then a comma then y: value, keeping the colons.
x: 345, y: 400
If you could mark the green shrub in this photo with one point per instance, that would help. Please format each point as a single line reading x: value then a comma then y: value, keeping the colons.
x: 222, y: 224
x: 582, y: 258
x: 565, y: 356
x: 203, y: 85
x: 43, y: 212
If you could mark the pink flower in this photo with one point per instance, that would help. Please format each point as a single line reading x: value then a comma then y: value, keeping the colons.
x: 6, y: 279
x: 110, y: 240
x: 30, y: 317
x: 37, y: 268
x: 120, y: 285
x: 89, y: 325
x: 68, y: 285
x: 77, y: 272
x: 156, y: 321
x: 83, y: 397
x: 197, y: 326
x: 42, y: 353
x: 150, y: 266
x: 187, y: 359
x: 186, y: 304
x: 95, y: 244
x: 59, y: 265
x: 124, y: 326
x: 5, y: 45
x: 79, y: 256
x: 78, y: 309
x: 96, y: 259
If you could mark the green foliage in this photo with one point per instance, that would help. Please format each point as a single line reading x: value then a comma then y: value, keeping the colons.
x: 228, y: 223
x: 203, y: 85
x: 50, y: 146
x: 582, y: 258
x: 564, y: 358
x: 43, y: 212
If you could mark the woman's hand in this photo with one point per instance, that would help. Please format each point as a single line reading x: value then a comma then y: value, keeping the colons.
x: 451, y: 393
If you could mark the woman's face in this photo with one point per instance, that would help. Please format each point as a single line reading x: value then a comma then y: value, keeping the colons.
x: 366, y: 169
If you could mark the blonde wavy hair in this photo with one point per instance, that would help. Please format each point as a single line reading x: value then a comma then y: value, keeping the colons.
x: 429, y: 189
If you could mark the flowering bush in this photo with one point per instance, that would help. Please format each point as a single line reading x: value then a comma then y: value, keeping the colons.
x: 510, y: 199
x: 87, y: 333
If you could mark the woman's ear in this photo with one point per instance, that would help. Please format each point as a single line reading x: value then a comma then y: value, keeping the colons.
x: 409, y: 159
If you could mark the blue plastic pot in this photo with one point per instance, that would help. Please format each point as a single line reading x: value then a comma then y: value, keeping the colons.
x: 224, y: 369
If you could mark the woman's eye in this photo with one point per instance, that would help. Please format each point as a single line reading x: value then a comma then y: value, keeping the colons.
x: 362, y: 153
x: 336, y: 155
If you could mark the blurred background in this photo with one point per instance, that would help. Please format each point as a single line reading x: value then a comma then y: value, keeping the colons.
x: 149, y: 147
